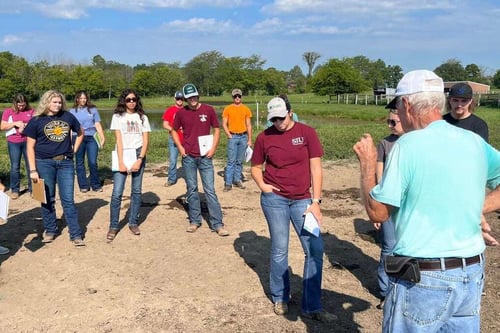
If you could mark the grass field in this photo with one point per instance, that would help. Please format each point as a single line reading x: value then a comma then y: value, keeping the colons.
x: 338, y: 125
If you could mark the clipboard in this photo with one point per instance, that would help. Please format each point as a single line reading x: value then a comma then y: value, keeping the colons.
x: 38, y: 191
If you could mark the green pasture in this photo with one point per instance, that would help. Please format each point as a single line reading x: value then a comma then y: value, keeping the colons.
x: 338, y: 125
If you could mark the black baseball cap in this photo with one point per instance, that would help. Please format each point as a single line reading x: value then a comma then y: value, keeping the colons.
x: 392, y: 104
x: 462, y: 90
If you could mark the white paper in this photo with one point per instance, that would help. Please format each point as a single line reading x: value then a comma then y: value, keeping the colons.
x: 4, y: 206
x: 205, y: 142
x: 248, y: 154
x: 129, y: 158
x: 12, y: 130
x: 311, y: 224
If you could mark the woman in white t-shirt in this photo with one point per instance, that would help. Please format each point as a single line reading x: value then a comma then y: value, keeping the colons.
x: 131, y: 127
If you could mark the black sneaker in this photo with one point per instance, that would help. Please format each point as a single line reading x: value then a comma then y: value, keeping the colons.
x: 322, y: 316
x: 240, y: 185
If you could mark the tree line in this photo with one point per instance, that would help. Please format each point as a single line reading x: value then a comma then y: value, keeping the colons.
x: 213, y: 74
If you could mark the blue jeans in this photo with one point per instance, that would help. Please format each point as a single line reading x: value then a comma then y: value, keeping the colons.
x: 236, y: 147
x: 387, y: 239
x: 205, y: 166
x: 88, y: 147
x: 279, y: 211
x: 173, y: 153
x: 119, y: 179
x: 443, y: 301
x: 15, y: 152
x: 62, y: 173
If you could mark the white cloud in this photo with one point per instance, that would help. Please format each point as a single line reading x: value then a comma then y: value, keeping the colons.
x: 196, y: 24
x: 353, y: 6
x: 11, y: 39
x: 75, y: 9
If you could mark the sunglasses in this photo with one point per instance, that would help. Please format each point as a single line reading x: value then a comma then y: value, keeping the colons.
x: 275, y: 119
x: 131, y: 100
x: 179, y: 99
x: 392, y: 122
x: 237, y: 96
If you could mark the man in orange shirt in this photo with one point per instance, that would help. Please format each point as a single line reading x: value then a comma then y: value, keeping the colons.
x: 238, y: 127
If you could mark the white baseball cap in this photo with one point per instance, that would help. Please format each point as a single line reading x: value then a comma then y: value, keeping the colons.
x: 419, y: 81
x: 276, y: 108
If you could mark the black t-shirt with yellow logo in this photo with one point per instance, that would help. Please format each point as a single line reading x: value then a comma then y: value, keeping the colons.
x: 52, y: 134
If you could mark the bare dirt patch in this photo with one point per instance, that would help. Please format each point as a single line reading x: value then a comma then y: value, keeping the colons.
x: 167, y: 280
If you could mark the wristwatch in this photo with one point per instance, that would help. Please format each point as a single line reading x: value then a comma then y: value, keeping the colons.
x: 318, y: 201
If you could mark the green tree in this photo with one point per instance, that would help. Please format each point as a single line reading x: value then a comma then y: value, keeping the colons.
x: 168, y: 78
x: 310, y: 58
x: 296, y: 80
x: 338, y: 77
x: 474, y: 73
x: 15, y: 75
x: 143, y: 82
x: 88, y: 78
x: 392, y: 75
x: 377, y: 73
x: 272, y: 81
x: 496, y: 79
x: 451, y: 70
x: 202, y: 71
x: 116, y: 76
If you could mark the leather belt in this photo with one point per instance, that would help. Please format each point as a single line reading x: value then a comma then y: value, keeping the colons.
x: 62, y: 158
x: 242, y: 133
x: 449, y: 263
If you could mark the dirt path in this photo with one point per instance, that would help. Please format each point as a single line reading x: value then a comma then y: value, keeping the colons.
x: 167, y: 280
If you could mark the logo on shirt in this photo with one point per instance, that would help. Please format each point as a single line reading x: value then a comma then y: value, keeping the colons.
x: 133, y: 126
x: 56, y: 130
x: 298, y: 141
x: 203, y: 117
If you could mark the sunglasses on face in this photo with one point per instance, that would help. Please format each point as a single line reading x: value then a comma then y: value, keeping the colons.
x: 179, y: 99
x: 237, y: 96
x: 275, y: 119
x: 131, y: 100
x: 392, y: 122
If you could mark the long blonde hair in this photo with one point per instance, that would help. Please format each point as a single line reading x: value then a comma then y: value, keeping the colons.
x: 43, y: 107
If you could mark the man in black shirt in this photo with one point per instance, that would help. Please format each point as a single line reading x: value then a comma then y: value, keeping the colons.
x: 460, y: 105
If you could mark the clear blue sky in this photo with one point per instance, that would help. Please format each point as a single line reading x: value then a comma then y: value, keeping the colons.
x: 412, y: 34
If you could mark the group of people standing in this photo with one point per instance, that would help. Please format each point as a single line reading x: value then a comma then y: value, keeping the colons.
x: 433, y: 190
x: 412, y: 187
